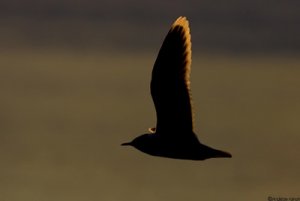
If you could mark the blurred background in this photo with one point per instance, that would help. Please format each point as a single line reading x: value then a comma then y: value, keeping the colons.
x: 74, y: 82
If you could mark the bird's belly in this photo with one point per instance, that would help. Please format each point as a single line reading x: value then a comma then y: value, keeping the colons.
x: 176, y: 151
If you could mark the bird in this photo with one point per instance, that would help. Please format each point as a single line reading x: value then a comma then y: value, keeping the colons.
x: 174, y: 137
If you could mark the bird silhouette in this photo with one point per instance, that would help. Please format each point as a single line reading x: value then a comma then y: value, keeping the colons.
x: 173, y: 136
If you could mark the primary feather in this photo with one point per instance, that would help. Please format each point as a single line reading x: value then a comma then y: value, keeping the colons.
x: 170, y: 84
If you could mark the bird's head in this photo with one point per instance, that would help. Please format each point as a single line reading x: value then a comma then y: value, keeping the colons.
x: 136, y: 142
x: 143, y: 142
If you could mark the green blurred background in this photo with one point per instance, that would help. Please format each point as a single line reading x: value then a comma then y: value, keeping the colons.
x: 74, y: 82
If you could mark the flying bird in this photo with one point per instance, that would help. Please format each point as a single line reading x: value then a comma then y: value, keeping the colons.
x: 173, y: 136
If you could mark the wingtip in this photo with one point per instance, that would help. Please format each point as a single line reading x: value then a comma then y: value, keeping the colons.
x: 181, y: 21
x: 229, y: 155
x: 186, y: 32
x: 225, y: 154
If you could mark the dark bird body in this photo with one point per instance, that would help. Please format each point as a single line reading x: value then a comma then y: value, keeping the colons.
x: 173, y: 136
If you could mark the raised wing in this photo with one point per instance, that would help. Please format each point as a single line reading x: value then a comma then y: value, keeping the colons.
x: 170, y: 84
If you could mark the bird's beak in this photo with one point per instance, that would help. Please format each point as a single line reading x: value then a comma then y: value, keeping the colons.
x: 126, y: 144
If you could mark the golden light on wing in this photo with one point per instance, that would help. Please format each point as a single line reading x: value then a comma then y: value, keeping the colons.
x: 182, y: 21
x: 170, y: 84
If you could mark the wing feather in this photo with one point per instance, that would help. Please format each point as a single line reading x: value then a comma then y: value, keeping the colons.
x: 170, y: 84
